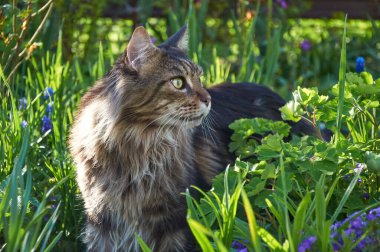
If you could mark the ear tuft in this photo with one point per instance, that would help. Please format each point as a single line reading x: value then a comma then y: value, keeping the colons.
x: 138, y: 45
x: 180, y: 39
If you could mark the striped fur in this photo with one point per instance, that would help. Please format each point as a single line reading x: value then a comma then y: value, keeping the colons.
x: 138, y: 144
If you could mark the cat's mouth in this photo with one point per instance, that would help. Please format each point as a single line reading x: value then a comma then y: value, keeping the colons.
x: 191, y: 119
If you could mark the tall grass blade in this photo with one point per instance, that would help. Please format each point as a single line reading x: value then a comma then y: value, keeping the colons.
x: 200, y: 233
x: 342, y: 82
x: 144, y: 247
x: 251, y: 222
x: 299, y: 219
x: 346, y: 194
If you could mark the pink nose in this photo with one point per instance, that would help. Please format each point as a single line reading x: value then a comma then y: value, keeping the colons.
x: 204, y: 97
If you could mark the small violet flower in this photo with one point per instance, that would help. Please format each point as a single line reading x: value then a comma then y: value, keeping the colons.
x: 22, y: 103
x: 46, y: 124
x: 366, y: 196
x: 24, y: 124
x: 49, y: 93
x: 282, y: 4
x: 240, y: 247
x: 305, y: 45
x: 359, y: 167
x: 307, y: 244
x: 360, y: 63
x: 357, y: 225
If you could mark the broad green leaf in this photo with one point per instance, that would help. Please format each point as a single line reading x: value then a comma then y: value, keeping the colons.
x: 292, y: 111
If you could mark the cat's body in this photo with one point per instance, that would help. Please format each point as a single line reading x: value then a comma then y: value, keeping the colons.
x: 137, y: 144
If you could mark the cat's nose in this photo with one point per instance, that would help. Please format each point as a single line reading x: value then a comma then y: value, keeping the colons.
x: 204, y: 97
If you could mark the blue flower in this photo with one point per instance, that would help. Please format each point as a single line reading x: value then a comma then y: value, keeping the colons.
x: 23, y: 124
x: 46, y: 124
x: 366, y: 196
x: 360, y: 63
x: 240, y: 247
x: 355, y: 227
x: 306, y: 244
x: 359, y: 167
x: 282, y: 4
x: 22, y: 103
x: 375, y: 212
x: 305, y: 45
x: 49, y: 93
x: 49, y: 108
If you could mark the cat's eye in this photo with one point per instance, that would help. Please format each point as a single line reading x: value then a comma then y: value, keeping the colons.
x: 178, y: 83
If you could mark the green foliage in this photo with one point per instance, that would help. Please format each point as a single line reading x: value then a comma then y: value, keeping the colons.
x: 22, y: 219
x: 300, y: 187
x: 18, y: 35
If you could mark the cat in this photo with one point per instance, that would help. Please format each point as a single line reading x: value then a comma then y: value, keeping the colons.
x: 148, y: 130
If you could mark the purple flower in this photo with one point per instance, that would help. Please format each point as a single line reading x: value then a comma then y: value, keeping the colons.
x: 22, y: 103
x: 359, y: 167
x: 46, y: 124
x: 336, y: 246
x: 336, y: 226
x: 306, y: 244
x: 371, y: 217
x: 347, y: 177
x: 357, y: 223
x: 49, y: 93
x: 153, y: 39
x: 348, y: 232
x: 24, y: 124
x: 52, y: 198
x: 366, y: 196
x: 360, y: 63
x: 240, y: 247
x: 49, y: 108
x: 375, y: 212
x: 282, y: 4
x: 305, y: 45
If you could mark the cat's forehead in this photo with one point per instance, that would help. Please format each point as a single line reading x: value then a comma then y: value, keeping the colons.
x: 178, y: 62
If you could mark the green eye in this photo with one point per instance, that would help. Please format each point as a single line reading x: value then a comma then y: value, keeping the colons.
x: 178, y: 83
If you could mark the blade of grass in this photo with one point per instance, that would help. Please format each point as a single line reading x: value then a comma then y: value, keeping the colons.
x: 346, y: 194
x: 144, y: 247
x: 299, y: 219
x: 200, y: 232
x: 342, y: 82
x: 251, y: 222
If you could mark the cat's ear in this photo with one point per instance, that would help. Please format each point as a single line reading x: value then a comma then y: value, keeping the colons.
x: 138, y: 47
x: 180, y: 39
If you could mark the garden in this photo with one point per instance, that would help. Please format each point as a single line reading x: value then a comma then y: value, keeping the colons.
x: 284, y: 192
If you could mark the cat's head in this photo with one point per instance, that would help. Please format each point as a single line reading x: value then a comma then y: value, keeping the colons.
x: 160, y: 85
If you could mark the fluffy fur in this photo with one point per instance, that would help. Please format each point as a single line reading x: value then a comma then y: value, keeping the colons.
x: 139, y: 141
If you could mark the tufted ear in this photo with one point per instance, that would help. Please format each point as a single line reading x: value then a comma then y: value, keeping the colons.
x: 180, y: 39
x: 138, y: 47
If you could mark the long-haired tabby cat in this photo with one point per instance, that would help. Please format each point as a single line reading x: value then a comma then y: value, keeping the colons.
x: 138, y: 143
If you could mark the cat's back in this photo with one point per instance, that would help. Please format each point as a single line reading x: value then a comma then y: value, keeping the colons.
x: 230, y: 102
